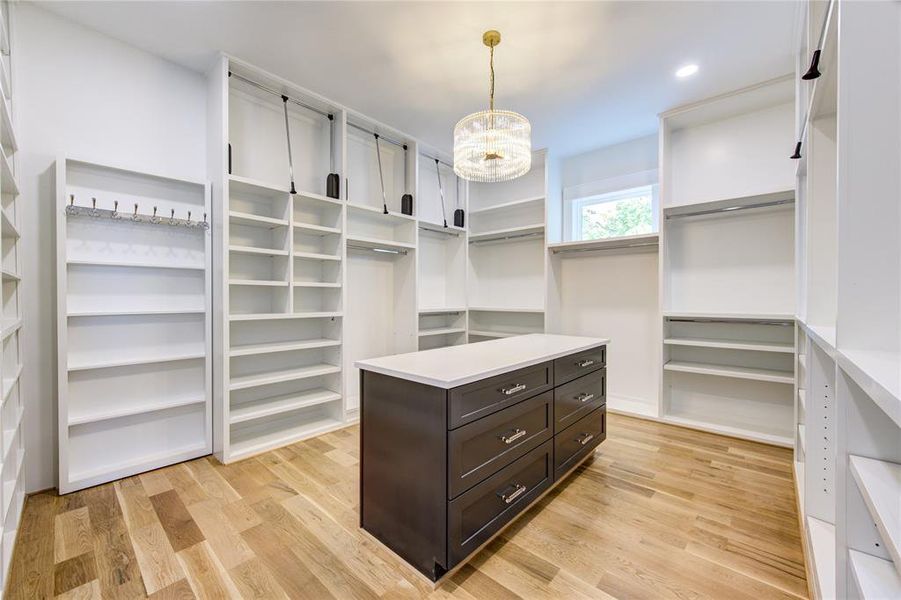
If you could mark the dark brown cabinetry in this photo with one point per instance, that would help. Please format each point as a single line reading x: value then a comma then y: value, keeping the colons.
x: 444, y: 470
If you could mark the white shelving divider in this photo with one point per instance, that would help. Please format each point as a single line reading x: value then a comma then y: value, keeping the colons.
x: 728, y: 300
x: 12, y: 396
x: 133, y: 322
x: 280, y: 258
x: 506, y: 284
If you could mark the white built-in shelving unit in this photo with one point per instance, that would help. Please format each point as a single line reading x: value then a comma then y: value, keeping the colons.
x: 12, y: 396
x: 507, y: 246
x: 848, y: 447
x: 727, y: 265
x: 133, y: 321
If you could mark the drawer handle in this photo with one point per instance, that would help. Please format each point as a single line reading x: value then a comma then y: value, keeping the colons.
x: 584, y: 440
x: 512, y: 390
x: 585, y: 363
x: 519, y: 490
x: 517, y: 433
x: 584, y: 397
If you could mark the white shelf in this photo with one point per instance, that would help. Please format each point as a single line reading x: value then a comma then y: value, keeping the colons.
x: 256, y: 380
x: 256, y: 251
x: 75, y: 420
x: 135, y: 313
x: 802, y: 439
x: 242, y: 218
x: 507, y: 205
x: 10, y: 485
x: 626, y: 242
x: 258, y: 282
x: 876, y: 579
x: 256, y: 439
x: 441, y: 311
x: 315, y: 256
x: 822, y: 336
x: 441, y: 331
x: 802, y: 360
x: 729, y: 316
x: 273, y: 347
x: 316, y: 284
x: 376, y: 243
x: 802, y: 399
x: 8, y: 139
x: 879, y: 483
x: 10, y: 432
x: 440, y: 228
x: 371, y: 210
x: 779, y: 199
x: 278, y: 316
x: 492, y: 334
x: 10, y: 327
x: 754, y: 374
x: 879, y: 375
x: 258, y: 409
x: 316, y: 229
x: 90, y: 477
x: 732, y: 344
x: 821, y: 545
x: 8, y: 183
x: 510, y: 309
x: 7, y: 225
x: 9, y: 275
x: 510, y: 233
x: 132, y: 264
x: 10, y: 382
x: 738, y: 432
x: 247, y: 185
x: 318, y: 198
x: 129, y: 362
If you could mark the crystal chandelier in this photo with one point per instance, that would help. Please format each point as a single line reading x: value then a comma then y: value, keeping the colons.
x: 492, y: 145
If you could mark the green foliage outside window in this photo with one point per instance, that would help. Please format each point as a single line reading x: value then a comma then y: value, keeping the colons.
x: 629, y: 216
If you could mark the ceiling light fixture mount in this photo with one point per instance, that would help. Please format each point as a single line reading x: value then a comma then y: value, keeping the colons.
x: 492, y: 145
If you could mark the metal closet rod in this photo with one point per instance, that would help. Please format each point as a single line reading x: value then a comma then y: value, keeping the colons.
x: 328, y: 115
x: 379, y: 250
x: 730, y: 321
x: 435, y: 159
x: 622, y: 247
x: 378, y: 135
x: 731, y: 209
x: 508, y: 237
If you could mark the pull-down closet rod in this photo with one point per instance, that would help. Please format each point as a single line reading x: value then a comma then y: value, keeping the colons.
x: 435, y: 159
x: 730, y: 209
x: 260, y: 86
x: 380, y: 136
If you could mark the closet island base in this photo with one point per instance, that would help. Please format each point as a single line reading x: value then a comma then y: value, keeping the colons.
x: 457, y: 442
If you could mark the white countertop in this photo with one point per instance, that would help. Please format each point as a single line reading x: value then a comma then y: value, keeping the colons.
x: 458, y: 365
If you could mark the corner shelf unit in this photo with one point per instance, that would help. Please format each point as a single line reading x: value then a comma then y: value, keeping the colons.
x: 13, y: 397
x: 134, y: 313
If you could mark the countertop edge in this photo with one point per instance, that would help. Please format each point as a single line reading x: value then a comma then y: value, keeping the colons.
x: 448, y: 384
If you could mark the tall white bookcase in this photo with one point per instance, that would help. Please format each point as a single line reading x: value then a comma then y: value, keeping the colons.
x: 848, y: 403
x: 12, y: 396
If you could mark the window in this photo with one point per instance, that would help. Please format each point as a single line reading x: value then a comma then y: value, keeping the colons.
x: 614, y: 214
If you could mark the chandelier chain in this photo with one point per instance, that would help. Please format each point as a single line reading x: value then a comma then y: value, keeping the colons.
x: 491, y: 94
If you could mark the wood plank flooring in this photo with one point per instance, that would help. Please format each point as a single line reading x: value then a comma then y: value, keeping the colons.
x: 661, y: 512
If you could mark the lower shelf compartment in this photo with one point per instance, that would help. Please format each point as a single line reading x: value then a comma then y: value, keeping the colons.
x: 253, y: 437
x: 770, y: 375
x: 266, y: 407
x: 821, y: 544
x: 739, y: 432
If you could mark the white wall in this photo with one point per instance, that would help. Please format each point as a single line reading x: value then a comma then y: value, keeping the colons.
x: 87, y: 95
x: 626, y: 158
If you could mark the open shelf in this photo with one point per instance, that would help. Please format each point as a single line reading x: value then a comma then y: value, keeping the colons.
x: 371, y: 210
x: 643, y: 241
x: 7, y: 132
x: 273, y: 347
x: 879, y: 375
x: 253, y: 437
x: 802, y: 399
x: 312, y: 229
x: 730, y: 316
x: 76, y: 365
x: 8, y: 183
x: 802, y: 438
x: 88, y: 477
x: 822, y: 336
x: 440, y: 228
x: 770, y: 375
x: 251, y: 220
x: 276, y: 316
x: 8, y: 225
x: 316, y: 256
x: 258, y: 379
x: 315, y: 284
x: 821, y: 545
x: 507, y: 309
x: 512, y: 204
x: 76, y: 419
x: 492, y: 334
x: 266, y: 407
x: 257, y: 251
x: 731, y: 344
x: 379, y: 244
x: 509, y: 233
x: 739, y: 432
x: 258, y: 282
x: 876, y: 579
x: 441, y: 331
x: 10, y: 327
x: 879, y: 483
x: 132, y: 264
x: 441, y: 311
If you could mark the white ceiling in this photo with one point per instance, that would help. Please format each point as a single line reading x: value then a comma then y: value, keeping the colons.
x: 586, y: 74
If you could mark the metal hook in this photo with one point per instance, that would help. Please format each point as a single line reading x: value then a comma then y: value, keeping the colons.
x: 94, y: 211
x: 71, y: 210
x: 172, y: 218
x: 154, y: 219
x: 205, y: 224
x: 115, y: 214
x: 190, y: 224
x: 135, y: 216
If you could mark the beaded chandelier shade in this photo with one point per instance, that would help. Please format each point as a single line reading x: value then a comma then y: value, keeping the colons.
x: 492, y: 145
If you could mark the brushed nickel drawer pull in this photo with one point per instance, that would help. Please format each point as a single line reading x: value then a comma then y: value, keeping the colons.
x: 512, y: 390
x: 585, y: 363
x: 584, y: 397
x: 516, y: 493
x: 517, y: 433
x: 588, y: 437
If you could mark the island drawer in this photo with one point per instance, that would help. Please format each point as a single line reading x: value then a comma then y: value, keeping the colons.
x: 481, y: 398
x: 575, y: 399
x: 483, y: 447
x: 577, y: 441
x: 479, y: 513
x: 575, y: 365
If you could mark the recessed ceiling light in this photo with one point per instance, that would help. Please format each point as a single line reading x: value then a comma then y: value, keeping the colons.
x: 687, y: 71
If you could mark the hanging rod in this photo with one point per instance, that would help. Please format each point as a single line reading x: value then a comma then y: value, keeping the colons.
x: 602, y: 249
x: 730, y: 321
x: 378, y: 135
x: 134, y: 217
x: 732, y: 208
x: 328, y: 115
x: 508, y: 237
x: 376, y: 249
x: 441, y: 230
x: 434, y: 159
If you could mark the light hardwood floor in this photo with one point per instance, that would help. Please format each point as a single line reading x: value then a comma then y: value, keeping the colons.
x: 661, y: 512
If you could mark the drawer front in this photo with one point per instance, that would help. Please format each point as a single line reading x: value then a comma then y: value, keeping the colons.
x: 483, y: 447
x: 481, y: 398
x: 569, y: 367
x: 479, y: 513
x: 575, y: 399
x: 579, y: 440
